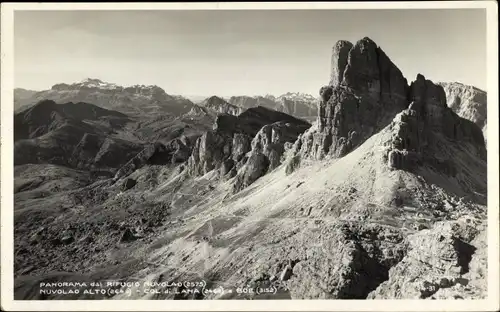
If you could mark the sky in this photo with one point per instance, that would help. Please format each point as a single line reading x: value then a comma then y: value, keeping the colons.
x: 226, y: 53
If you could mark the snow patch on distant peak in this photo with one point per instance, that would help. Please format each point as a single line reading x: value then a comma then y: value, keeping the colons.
x: 297, y: 96
x: 102, y: 85
x: 97, y: 83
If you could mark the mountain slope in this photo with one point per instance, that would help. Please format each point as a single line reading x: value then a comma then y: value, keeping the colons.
x: 349, y: 205
x: 77, y: 135
x: 21, y: 96
x: 47, y: 115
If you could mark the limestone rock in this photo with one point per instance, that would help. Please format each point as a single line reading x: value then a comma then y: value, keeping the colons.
x: 219, y: 105
x: 232, y: 139
x: 268, y: 149
x: 286, y: 273
x: 252, y: 120
x: 340, y: 54
x: 429, y: 102
x: 271, y: 139
x: 128, y: 236
x: 296, y: 104
x: 210, y: 150
x: 346, y: 260
x: 255, y: 167
x: 126, y: 99
x: 369, y: 71
x: 467, y: 102
x: 241, y: 146
x: 418, y: 130
x: 357, y: 104
x: 372, y: 94
x: 437, y: 260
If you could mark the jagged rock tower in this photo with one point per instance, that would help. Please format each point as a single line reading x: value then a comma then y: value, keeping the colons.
x: 365, y: 93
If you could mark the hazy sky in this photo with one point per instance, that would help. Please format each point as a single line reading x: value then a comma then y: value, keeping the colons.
x: 240, y: 52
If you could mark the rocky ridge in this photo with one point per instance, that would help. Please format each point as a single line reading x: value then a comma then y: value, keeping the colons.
x: 247, y: 145
x: 219, y: 105
x: 468, y: 102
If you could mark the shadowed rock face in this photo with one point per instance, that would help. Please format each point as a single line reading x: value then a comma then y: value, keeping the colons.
x: 340, y: 55
x: 429, y: 101
x: 220, y: 106
x: 468, y: 102
x: 295, y: 104
x: 366, y: 92
x: 268, y: 148
x: 418, y: 128
x: 255, y: 167
x: 252, y: 120
x: 260, y: 131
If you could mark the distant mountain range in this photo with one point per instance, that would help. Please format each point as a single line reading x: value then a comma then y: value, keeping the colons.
x: 142, y: 99
x: 467, y: 101
x: 132, y: 100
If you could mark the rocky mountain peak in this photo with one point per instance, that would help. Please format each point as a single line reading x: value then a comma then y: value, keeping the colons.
x: 365, y: 93
x: 87, y: 83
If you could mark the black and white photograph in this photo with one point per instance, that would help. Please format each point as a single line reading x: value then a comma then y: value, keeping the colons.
x: 216, y: 153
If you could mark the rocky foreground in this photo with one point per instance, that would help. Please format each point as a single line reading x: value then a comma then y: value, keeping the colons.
x: 383, y: 197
